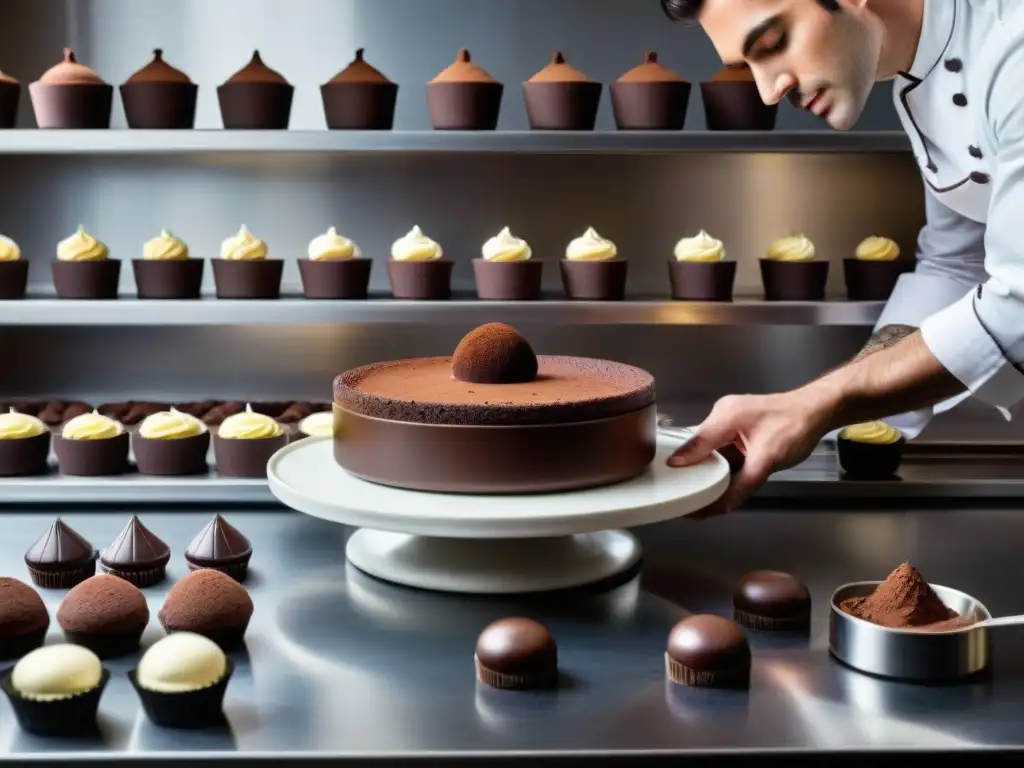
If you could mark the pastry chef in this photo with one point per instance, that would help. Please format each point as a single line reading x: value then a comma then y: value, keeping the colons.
x: 954, y: 328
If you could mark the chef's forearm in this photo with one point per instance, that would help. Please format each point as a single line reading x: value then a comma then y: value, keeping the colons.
x: 885, y: 337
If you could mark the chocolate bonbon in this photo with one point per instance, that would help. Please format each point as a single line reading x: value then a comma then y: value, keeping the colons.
x: 772, y: 601
x: 106, y: 614
x: 23, y: 618
x: 209, y: 603
x: 708, y: 651
x: 137, y: 555
x: 61, y: 558
x: 516, y: 653
x: 222, y: 547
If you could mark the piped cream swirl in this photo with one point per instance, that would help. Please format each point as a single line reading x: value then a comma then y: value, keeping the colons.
x: 170, y: 425
x: 701, y: 247
x: 9, y: 250
x: 81, y: 246
x: 331, y: 246
x: 165, y: 247
x: 415, y: 246
x: 791, y: 248
x: 590, y: 246
x: 19, y: 426
x: 91, y: 426
x: 318, y: 424
x: 243, y: 246
x: 872, y: 432
x: 878, y: 249
x: 505, y: 246
x: 249, y: 425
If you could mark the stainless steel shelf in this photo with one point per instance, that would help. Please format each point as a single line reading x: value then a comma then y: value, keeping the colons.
x: 299, y: 311
x: 538, y: 142
x: 133, y: 489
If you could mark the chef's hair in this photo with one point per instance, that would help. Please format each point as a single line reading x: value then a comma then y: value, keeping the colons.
x: 687, y: 11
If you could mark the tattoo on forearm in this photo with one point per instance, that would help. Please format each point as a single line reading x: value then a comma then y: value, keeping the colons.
x: 886, y: 337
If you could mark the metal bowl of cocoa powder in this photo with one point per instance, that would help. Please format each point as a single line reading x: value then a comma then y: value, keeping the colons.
x: 907, y: 629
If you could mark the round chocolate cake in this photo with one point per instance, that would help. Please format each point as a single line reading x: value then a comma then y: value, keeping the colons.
x: 495, y: 418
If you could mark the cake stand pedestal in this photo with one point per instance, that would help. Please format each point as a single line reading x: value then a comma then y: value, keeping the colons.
x: 491, y: 544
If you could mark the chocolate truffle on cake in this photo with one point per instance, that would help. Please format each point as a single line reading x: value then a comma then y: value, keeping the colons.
x: 137, y: 555
x: 61, y: 558
x: 10, y: 94
x: 106, y: 614
x: 872, y: 273
x: 70, y: 95
x: 650, y: 97
x: 84, y: 269
x: 708, y: 651
x: 516, y: 654
x: 245, y: 270
x: 870, y: 451
x: 222, y: 547
x: 171, y: 443
x: 359, y: 98
x: 791, y: 271
x: 13, y: 270
x: 166, y: 270
x: 92, y: 445
x: 417, y: 268
x: 561, y: 98
x: 209, y: 603
x: 335, y: 268
x: 464, y: 97
x: 24, y: 445
x: 256, y: 97
x: 159, y: 96
x: 245, y: 442
x: 494, y: 353
x: 592, y: 269
x: 506, y: 271
x: 23, y: 618
x: 699, y: 271
x: 732, y: 102
x: 772, y: 601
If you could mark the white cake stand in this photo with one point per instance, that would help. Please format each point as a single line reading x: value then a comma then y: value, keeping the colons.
x: 491, y: 544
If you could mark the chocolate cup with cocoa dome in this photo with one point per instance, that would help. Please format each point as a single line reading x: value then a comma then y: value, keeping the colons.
x: 183, y: 456
x: 423, y: 280
x: 873, y: 280
x: 259, y: 279
x: 10, y: 95
x: 794, y: 280
x: 82, y: 106
x: 25, y: 457
x: 702, y: 280
x: 464, y: 106
x: 359, y: 106
x: 562, y: 106
x: 650, y: 106
x: 256, y: 106
x: 179, y: 279
x: 86, y: 279
x: 736, y: 106
x: 508, y: 280
x: 13, y: 279
x: 92, y: 458
x: 595, y: 280
x: 238, y: 457
x: 867, y: 461
x: 335, y: 278
x: 160, y: 106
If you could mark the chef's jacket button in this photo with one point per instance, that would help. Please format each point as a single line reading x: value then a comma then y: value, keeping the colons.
x: 932, y: 166
x: 975, y: 152
x: 979, y: 178
x: 954, y: 65
x: 979, y: 292
x: 959, y: 99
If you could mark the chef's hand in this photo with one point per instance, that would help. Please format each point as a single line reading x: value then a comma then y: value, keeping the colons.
x: 772, y: 432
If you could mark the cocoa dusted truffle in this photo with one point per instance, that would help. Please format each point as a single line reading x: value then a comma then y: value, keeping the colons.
x: 464, y: 97
x: 516, y: 653
x: 772, y: 601
x: 61, y: 558
x: 494, y: 353
x: 211, y: 604
x: 137, y: 555
x: 708, y: 651
x: 650, y: 97
x: 105, y: 614
x: 70, y: 95
x: 23, y: 618
x: 222, y: 547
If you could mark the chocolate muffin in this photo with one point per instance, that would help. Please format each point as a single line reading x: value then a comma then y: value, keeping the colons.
x: 209, y: 603
x: 84, y: 269
x: 61, y: 558
x: 732, y: 102
x: 221, y: 547
x: 561, y: 98
x: 159, y: 96
x: 418, y: 269
x: 166, y: 270
x: 105, y: 614
x: 359, y: 98
x: 70, y: 95
x: 137, y: 555
x: 23, y: 618
x: 650, y: 97
x: 24, y: 445
x: 872, y: 272
x: 335, y: 268
x: 92, y: 445
x: 10, y: 94
x: 13, y: 270
x: 256, y: 97
x: 464, y: 97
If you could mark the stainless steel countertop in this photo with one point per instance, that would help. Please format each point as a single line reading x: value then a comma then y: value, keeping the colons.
x: 342, y: 666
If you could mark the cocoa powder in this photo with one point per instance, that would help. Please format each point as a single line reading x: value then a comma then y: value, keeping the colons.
x: 902, y: 601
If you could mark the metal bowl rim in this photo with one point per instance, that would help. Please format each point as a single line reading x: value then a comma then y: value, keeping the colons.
x: 844, y: 616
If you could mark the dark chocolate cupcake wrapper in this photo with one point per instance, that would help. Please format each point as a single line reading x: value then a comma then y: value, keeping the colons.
x: 650, y: 106
x: 702, y: 281
x: 10, y: 95
x: 794, y: 280
x: 16, y: 646
x: 464, y: 106
x: 80, y: 106
x: 335, y: 279
x: 736, y: 107
x: 92, y: 458
x: 873, y: 280
x: 66, y: 578
x: 189, y: 709
x: 595, y: 280
x: 25, y: 457
x: 698, y: 678
x: 866, y: 461
x: 229, y: 639
x: 359, y: 106
x: 546, y: 679
x: 71, y: 716
x: 184, y: 456
x: 141, y: 578
x: 248, y: 279
x: 182, y: 279
x: 422, y: 280
x: 246, y: 458
x: 107, y: 645
x: 161, y: 106
x: 13, y: 279
x: 255, y: 106
x: 562, y: 106
x: 801, y: 623
x: 508, y: 280
x: 86, y: 279
x: 237, y: 570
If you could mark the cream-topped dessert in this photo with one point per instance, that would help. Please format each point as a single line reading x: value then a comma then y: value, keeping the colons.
x: 416, y: 246
x: 182, y: 662
x: 792, y: 248
x: 877, y: 249
x: 318, y: 424
x: 170, y: 425
x: 81, y: 246
x: 331, y: 246
x: 19, y: 426
x: 249, y: 425
x: 91, y: 426
x: 9, y: 250
x: 591, y: 247
x: 165, y: 247
x: 56, y: 672
x: 243, y: 246
x: 701, y: 247
x: 872, y: 433
x: 506, y: 247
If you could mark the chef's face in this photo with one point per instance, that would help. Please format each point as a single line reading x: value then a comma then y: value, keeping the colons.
x: 824, y: 59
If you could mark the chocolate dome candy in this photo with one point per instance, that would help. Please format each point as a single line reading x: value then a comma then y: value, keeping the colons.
x: 70, y: 95
x: 773, y: 601
x: 708, y: 651
x: 61, y: 558
x: 23, y: 618
x: 137, y: 555
x: 359, y: 98
x: 516, y: 653
x: 209, y: 603
x: 222, y: 547
x: 494, y: 353
x: 159, y: 96
x: 105, y: 614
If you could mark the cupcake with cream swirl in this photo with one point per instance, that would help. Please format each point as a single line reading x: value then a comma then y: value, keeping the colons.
x: 791, y: 271
x: 24, y: 445
x: 334, y: 268
x: 171, y: 443
x: 699, y: 271
x: 84, y: 269
x: 592, y: 269
x: 506, y: 270
x: 245, y: 442
x: 92, y: 445
x: 244, y: 269
x: 167, y: 270
x: 13, y: 270
x: 417, y: 268
x: 870, y: 451
x: 871, y: 273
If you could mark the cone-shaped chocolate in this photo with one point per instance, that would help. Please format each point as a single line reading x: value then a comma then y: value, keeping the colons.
x: 159, y: 96
x: 70, y: 95
x: 650, y: 97
x: 256, y: 98
x: 61, y: 558
x: 464, y: 97
x: 137, y: 555
x: 222, y: 547
x: 561, y: 98
x: 359, y: 97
